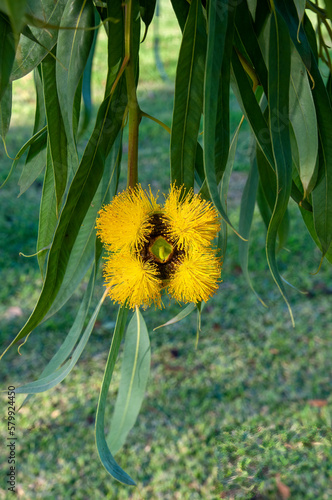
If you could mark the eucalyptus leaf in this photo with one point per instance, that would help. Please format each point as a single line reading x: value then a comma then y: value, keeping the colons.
x: 135, y: 369
x: 278, y: 81
x: 105, y: 454
x: 188, y: 100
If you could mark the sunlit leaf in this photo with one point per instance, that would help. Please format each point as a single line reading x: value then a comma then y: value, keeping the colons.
x: 105, y: 455
x: 55, y: 377
x: 135, y: 369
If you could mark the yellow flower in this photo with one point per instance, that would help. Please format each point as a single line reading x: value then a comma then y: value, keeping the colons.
x: 190, y: 220
x: 195, y: 276
x: 132, y: 280
x: 124, y: 223
x: 153, y: 248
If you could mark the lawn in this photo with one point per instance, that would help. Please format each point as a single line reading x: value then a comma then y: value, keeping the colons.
x: 246, y: 414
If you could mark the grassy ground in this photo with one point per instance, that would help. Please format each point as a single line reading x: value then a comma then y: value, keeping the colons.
x: 246, y: 415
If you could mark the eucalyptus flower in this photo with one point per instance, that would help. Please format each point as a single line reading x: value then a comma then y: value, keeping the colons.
x: 152, y: 248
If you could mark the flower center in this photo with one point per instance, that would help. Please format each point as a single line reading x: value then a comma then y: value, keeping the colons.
x: 161, y: 249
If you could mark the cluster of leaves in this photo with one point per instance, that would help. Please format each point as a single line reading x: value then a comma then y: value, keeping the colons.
x: 257, y: 461
x: 266, y: 51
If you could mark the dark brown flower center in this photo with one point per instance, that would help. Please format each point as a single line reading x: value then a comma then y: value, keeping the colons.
x: 160, y: 249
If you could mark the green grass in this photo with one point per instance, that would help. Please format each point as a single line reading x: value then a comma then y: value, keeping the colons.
x: 247, y: 412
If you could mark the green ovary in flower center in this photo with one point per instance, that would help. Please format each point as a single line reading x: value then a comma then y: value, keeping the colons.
x: 161, y: 249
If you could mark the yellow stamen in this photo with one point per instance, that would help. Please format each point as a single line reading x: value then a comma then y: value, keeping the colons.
x: 132, y: 281
x: 124, y: 223
x: 191, y: 220
x: 196, y: 276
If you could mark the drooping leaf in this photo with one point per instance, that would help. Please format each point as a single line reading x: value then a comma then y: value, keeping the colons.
x: 29, y: 53
x: 135, y: 369
x: 147, y: 8
x: 80, y: 195
x: 22, y: 151
x: 86, y: 84
x: 35, y: 162
x: 245, y: 33
x: 73, y: 48
x: 83, y: 250
x: 55, y: 377
x: 5, y: 111
x: 105, y: 455
x: 289, y: 13
x: 217, y: 28
x: 16, y: 13
x: 321, y: 195
x: 303, y: 118
x: 179, y: 317
x: 181, y: 9
x: 300, y: 7
x: 248, y: 201
x: 57, y: 139
x: 47, y: 213
x: 188, y: 99
x: 251, y: 109
x: 223, y: 189
x: 7, y: 52
x: 74, y: 333
x: 279, y: 78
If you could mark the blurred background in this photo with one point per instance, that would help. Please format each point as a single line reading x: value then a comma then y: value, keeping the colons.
x: 245, y: 415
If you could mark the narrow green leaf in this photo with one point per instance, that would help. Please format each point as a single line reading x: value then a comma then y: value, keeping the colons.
x: 250, y: 107
x: 16, y: 12
x: 309, y: 222
x: 246, y: 34
x: 57, y: 139
x: 223, y: 189
x: 217, y: 28
x: 105, y: 455
x: 300, y: 7
x: 86, y: 84
x: 5, y: 111
x: 84, y: 247
x: 181, y: 9
x: 288, y: 12
x: 74, y: 333
x: 135, y: 370
x: 7, y: 52
x: 147, y: 8
x: 279, y: 78
x: 321, y: 195
x: 81, y: 192
x: 29, y: 53
x: 73, y: 48
x: 179, y: 317
x: 47, y: 214
x: 47, y: 382
x: 22, y: 151
x: 188, y: 99
x: 248, y: 201
x: 303, y: 118
x: 252, y: 5
x: 35, y: 163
